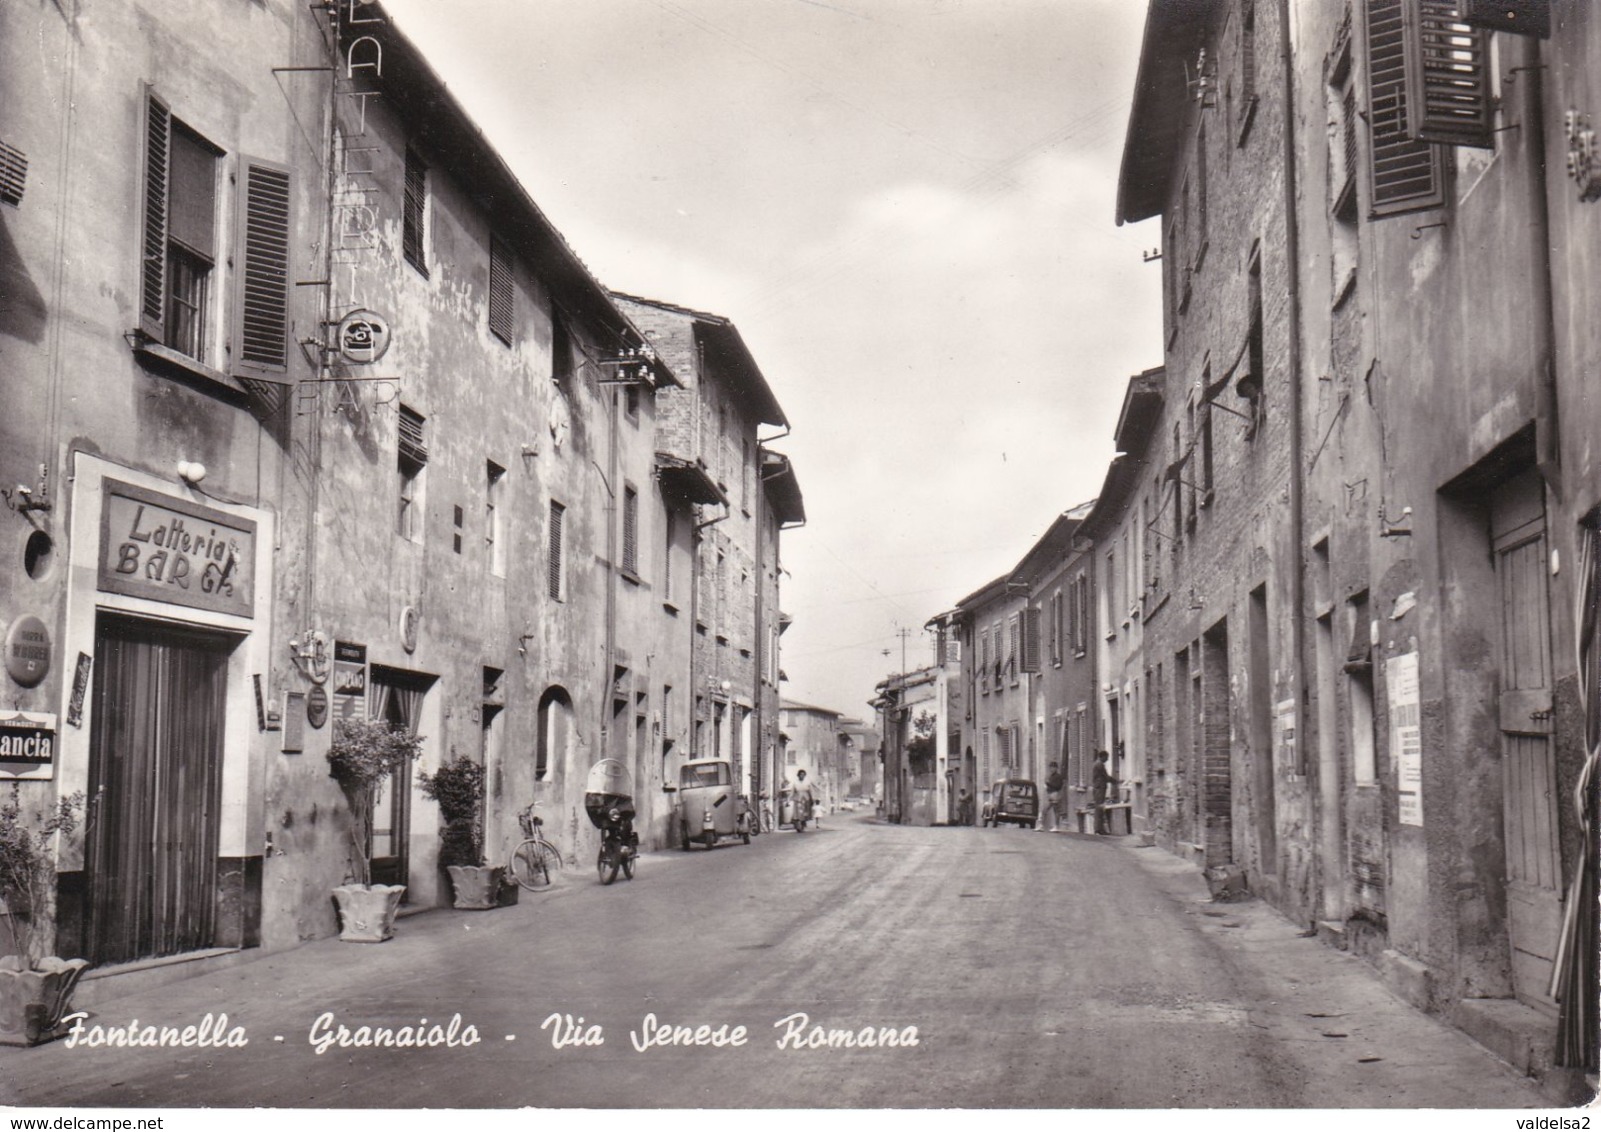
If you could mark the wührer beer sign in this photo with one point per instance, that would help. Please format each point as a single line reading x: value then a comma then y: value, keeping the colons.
x: 168, y: 549
x: 27, y: 744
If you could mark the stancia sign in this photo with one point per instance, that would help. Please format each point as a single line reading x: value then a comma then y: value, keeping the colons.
x: 27, y: 743
x: 171, y: 550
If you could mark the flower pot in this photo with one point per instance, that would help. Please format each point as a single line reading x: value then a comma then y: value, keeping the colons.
x: 367, y: 912
x: 33, y: 1000
x: 475, y: 886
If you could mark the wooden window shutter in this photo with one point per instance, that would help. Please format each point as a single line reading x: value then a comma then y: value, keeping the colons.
x: 262, y: 306
x: 13, y: 173
x: 1448, y: 76
x: 413, y: 214
x: 413, y: 447
x: 1031, y: 639
x: 630, y: 530
x: 501, y: 311
x: 1404, y: 175
x: 153, y: 271
x: 553, y: 562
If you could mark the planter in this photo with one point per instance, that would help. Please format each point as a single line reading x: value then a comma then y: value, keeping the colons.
x: 367, y: 912
x: 476, y: 887
x: 34, y: 1000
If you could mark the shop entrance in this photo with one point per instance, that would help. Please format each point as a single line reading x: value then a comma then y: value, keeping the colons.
x: 155, y: 773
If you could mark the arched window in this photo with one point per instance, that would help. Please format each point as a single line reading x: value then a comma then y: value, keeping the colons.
x: 555, y: 730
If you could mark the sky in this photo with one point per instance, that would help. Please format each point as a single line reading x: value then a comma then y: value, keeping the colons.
x: 907, y: 209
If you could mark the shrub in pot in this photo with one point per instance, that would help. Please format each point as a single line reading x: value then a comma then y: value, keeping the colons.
x: 35, y: 987
x: 458, y: 787
x: 363, y: 753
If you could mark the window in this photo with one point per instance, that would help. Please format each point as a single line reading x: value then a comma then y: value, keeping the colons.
x: 984, y: 660
x: 414, y: 213
x: 1056, y: 628
x: 180, y: 241
x: 670, y: 535
x: 494, y: 480
x: 555, y: 731
x: 1012, y: 632
x: 1246, y: 109
x: 411, y: 462
x: 457, y: 518
x: 1340, y: 96
x: 502, y: 295
x: 553, y: 550
x: 561, y: 349
x: 630, y: 530
x: 1081, y: 615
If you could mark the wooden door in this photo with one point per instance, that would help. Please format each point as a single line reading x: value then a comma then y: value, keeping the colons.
x: 156, y: 747
x: 1522, y: 562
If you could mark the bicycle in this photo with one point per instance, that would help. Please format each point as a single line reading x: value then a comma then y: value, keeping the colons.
x: 535, y: 855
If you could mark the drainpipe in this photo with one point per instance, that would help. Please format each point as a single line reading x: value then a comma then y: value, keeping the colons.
x: 1292, y: 252
x: 1547, y: 422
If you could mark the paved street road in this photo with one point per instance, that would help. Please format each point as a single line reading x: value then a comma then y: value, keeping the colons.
x: 1037, y: 970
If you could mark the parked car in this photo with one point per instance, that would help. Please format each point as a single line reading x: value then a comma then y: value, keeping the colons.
x: 707, y: 808
x: 1013, y: 800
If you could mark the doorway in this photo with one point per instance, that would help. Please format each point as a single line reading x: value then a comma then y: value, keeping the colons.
x: 155, y: 771
x: 1521, y: 556
x: 396, y: 697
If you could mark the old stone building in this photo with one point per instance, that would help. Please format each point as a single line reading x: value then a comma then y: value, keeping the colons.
x: 157, y: 202
x: 744, y: 494
x: 1377, y: 542
x: 316, y: 416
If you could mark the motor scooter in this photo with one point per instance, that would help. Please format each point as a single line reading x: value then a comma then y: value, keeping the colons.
x: 609, y: 802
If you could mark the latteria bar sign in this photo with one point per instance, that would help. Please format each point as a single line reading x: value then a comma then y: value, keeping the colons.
x: 167, y: 549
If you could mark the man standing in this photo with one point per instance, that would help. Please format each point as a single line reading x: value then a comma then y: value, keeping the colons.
x: 1100, y: 785
x: 1053, y: 799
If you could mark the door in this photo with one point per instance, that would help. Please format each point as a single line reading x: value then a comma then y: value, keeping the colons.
x: 155, y: 771
x: 395, y: 696
x: 1534, y: 917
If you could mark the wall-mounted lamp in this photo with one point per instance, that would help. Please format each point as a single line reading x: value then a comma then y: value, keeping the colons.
x: 23, y: 499
x: 309, y: 651
x: 191, y: 471
x: 1401, y: 527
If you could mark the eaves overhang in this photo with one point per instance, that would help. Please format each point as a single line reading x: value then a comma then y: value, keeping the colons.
x: 1122, y: 477
x: 688, y: 479
x: 1142, y: 410
x: 783, y: 489
x: 724, y: 347
x: 1174, y: 31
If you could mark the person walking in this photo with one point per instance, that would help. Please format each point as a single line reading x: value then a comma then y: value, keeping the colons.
x: 1100, y: 784
x: 1053, y: 799
x: 964, y: 807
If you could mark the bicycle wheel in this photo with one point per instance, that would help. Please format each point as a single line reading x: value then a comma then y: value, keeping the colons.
x: 550, y: 855
x: 628, y: 867
x: 528, y: 866
x: 606, y: 866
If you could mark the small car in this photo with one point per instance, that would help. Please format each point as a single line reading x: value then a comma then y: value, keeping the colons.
x: 1013, y: 800
x: 707, y: 808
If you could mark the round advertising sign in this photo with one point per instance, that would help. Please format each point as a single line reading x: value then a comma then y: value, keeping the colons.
x: 27, y: 651
x: 317, y: 706
x: 362, y: 337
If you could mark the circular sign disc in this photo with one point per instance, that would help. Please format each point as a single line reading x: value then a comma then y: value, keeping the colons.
x: 27, y: 651
x: 317, y: 706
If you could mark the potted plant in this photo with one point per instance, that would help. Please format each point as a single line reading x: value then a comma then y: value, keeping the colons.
x: 35, y: 987
x: 363, y: 753
x: 458, y: 787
